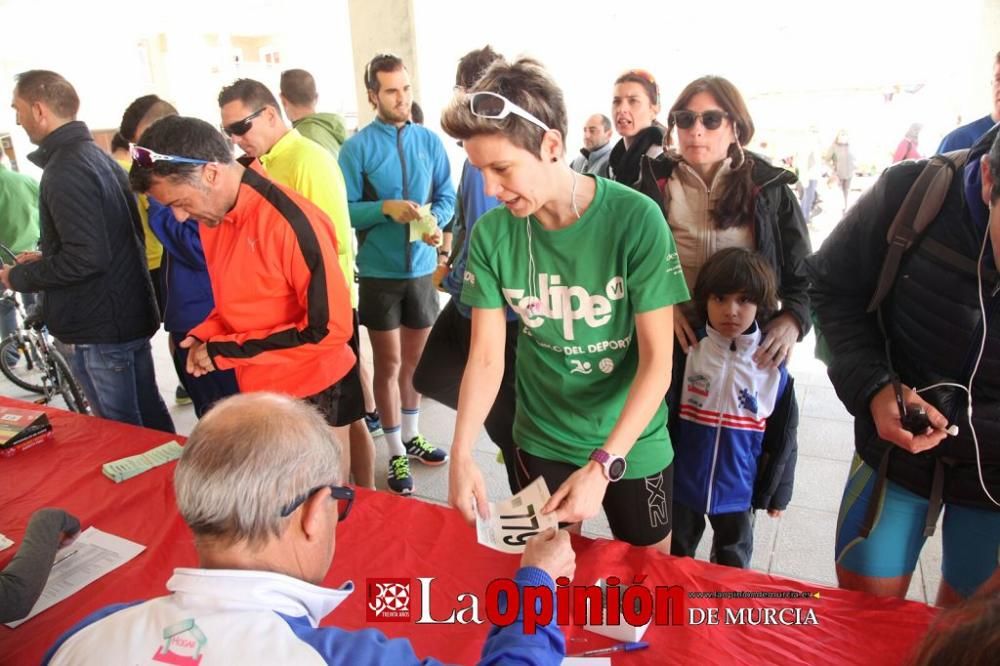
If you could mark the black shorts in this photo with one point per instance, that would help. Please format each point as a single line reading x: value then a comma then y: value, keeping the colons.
x: 343, y: 403
x: 638, y: 510
x: 384, y: 305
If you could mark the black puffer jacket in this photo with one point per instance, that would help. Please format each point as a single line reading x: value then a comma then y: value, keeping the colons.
x: 778, y: 227
x: 933, y: 320
x: 93, y: 267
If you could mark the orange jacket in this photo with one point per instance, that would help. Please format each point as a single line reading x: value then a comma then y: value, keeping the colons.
x: 282, y: 315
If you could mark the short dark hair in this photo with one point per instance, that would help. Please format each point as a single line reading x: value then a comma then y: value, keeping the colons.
x: 299, y: 87
x: 252, y: 93
x: 737, y: 270
x: 41, y: 85
x: 416, y: 113
x: 994, y: 159
x: 605, y: 121
x: 382, y: 62
x: 118, y: 142
x: 145, y: 109
x: 524, y: 82
x: 185, y: 137
x: 644, y: 79
x: 473, y: 65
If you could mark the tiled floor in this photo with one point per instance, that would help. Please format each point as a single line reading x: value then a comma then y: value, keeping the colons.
x: 798, y: 544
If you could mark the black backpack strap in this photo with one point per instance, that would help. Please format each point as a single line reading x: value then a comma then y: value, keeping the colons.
x: 922, y: 204
x: 945, y: 255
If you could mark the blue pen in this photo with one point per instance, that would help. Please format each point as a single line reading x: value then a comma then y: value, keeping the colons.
x: 621, y: 647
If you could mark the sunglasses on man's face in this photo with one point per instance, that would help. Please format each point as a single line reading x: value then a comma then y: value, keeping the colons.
x: 241, y: 127
x: 343, y: 495
x: 710, y: 120
x: 497, y: 107
x: 146, y: 158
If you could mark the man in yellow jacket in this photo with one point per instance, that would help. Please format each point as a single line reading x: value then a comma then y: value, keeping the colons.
x: 252, y: 117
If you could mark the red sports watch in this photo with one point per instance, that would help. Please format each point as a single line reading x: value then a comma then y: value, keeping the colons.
x: 613, y: 466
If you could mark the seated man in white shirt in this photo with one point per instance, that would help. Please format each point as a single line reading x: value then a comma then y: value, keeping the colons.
x: 255, y: 485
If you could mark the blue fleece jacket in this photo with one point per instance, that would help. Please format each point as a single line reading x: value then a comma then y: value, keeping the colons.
x: 383, y: 162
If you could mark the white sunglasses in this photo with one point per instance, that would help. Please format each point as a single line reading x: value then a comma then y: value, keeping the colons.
x: 497, y: 107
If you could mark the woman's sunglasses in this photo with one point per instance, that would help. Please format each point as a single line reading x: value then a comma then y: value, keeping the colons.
x: 343, y: 495
x: 241, y: 127
x: 710, y: 120
x: 497, y: 107
x: 146, y: 158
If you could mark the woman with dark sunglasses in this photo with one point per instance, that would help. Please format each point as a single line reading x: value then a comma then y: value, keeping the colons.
x: 715, y: 195
x: 634, y: 107
x: 589, y: 267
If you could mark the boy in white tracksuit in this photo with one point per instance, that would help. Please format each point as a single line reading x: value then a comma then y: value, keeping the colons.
x: 726, y: 400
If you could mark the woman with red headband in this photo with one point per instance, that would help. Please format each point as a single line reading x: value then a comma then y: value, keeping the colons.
x: 634, y: 107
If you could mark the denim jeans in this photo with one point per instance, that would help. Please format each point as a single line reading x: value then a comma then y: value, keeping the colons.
x: 120, y: 382
x: 8, y: 319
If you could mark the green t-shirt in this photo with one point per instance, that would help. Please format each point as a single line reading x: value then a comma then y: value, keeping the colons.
x: 577, y: 356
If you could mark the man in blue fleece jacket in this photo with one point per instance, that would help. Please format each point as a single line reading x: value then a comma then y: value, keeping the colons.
x: 391, y: 168
x: 258, y: 484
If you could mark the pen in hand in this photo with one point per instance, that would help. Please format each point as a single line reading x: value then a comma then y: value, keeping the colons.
x: 621, y: 647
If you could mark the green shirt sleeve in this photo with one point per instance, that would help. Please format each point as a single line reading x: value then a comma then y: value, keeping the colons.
x: 481, y: 283
x: 655, y: 278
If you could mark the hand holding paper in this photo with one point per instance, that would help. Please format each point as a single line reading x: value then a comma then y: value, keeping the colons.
x: 425, y: 228
x: 515, y: 520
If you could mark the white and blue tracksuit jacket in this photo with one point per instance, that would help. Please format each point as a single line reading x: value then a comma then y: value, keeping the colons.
x: 725, y: 401
x: 224, y: 616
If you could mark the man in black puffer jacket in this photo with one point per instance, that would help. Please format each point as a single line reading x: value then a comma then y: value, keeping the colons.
x: 934, y: 324
x: 98, y: 298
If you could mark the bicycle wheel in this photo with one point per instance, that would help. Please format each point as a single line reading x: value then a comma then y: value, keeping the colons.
x: 20, y: 362
x: 67, y: 385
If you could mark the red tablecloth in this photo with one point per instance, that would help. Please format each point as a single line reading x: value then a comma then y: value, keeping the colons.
x: 390, y: 537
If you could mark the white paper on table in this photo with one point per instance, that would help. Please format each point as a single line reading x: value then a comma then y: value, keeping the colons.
x: 5, y: 543
x: 427, y: 224
x: 93, y: 554
x: 513, y: 520
x: 586, y: 661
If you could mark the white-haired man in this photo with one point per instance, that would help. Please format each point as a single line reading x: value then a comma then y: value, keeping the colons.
x: 255, y: 485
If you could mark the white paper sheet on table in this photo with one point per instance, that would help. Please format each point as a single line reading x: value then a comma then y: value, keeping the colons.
x: 586, y: 661
x: 5, y: 542
x: 93, y: 554
x: 513, y: 520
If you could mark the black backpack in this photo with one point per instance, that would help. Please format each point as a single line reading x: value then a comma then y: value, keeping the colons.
x: 922, y: 204
x: 920, y: 207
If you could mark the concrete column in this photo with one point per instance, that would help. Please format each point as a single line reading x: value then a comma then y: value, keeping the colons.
x: 381, y: 26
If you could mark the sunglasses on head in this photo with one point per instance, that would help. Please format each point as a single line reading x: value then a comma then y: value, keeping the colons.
x: 241, y: 127
x: 369, y: 81
x: 343, y: 495
x: 710, y: 120
x: 146, y: 158
x: 497, y: 107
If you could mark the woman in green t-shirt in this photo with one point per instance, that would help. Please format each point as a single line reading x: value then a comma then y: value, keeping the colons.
x: 590, y: 268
